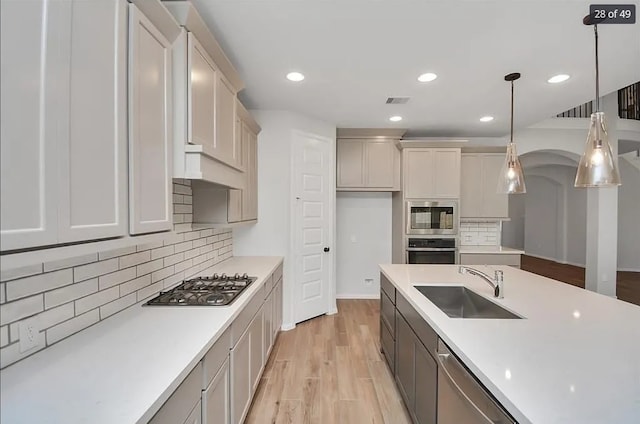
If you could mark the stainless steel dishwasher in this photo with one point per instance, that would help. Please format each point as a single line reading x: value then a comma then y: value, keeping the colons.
x: 461, y: 399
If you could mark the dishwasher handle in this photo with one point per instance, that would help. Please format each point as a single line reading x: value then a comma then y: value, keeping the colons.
x: 450, y: 367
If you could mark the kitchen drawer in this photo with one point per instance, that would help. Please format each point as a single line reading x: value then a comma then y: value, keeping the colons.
x: 241, y: 323
x: 216, y: 356
x: 387, y: 346
x: 388, y: 288
x: 268, y: 285
x: 180, y: 404
x: 277, y: 274
x: 425, y: 333
x: 387, y: 313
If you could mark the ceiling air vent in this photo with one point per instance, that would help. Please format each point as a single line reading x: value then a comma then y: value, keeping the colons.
x: 397, y: 100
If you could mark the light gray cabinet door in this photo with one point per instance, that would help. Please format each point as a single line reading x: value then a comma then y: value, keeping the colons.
x: 201, y: 81
x: 225, y: 121
x: 418, y: 174
x: 240, y: 377
x: 35, y: 64
x: 257, y: 349
x: 268, y: 325
x: 470, y: 185
x: 405, y: 357
x: 250, y: 192
x: 426, y: 384
x: 350, y: 163
x: 446, y: 173
x: 195, y: 417
x: 216, y: 399
x: 494, y: 204
x: 150, y: 133
x: 93, y: 157
x: 380, y: 166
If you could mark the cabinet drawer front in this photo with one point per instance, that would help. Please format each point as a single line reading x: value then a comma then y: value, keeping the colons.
x: 216, y: 356
x: 388, y: 288
x: 277, y: 274
x: 268, y: 285
x: 216, y: 398
x: 242, y: 321
x: 178, y: 407
x: 387, y: 313
x: 388, y: 346
x: 425, y: 333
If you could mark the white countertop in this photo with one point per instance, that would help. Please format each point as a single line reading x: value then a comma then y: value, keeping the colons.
x: 493, y: 250
x: 124, y: 368
x: 574, y: 359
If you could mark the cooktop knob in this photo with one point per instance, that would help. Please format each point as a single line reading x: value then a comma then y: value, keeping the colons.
x: 245, y: 276
x: 236, y: 276
x: 216, y: 276
x: 224, y: 277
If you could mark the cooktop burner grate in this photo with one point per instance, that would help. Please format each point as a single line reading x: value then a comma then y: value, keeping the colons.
x: 215, y: 290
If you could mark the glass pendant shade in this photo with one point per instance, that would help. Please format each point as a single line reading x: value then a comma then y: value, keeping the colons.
x: 598, y: 166
x: 511, y: 177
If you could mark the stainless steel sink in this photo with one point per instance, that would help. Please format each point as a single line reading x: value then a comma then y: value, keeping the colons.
x: 460, y: 302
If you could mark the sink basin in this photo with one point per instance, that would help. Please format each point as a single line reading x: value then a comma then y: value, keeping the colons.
x: 460, y: 302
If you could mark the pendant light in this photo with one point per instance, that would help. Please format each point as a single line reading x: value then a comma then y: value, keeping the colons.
x: 511, y: 177
x: 598, y: 166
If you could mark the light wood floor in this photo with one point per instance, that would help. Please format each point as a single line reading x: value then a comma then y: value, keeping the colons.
x: 627, y: 287
x: 330, y: 370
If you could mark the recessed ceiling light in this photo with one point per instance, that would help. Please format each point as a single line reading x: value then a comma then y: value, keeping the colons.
x: 395, y: 118
x: 486, y: 119
x: 558, y: 78
x: 295, y: 76
x: 427, y: 77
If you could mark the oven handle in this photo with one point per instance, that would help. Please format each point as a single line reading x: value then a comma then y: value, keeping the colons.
x: 431, y: 249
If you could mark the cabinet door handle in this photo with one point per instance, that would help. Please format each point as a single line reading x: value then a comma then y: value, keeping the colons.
x: 326, y: 249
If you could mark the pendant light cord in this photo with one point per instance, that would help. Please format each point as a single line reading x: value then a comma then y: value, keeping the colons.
x: 595, y: 32
x: 511, y: 112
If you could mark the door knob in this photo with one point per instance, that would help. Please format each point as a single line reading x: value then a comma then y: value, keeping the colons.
x: 326, y: 249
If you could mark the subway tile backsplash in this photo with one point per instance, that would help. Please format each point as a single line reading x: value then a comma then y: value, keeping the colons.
x: 481, y: 233
x: 69, y: 295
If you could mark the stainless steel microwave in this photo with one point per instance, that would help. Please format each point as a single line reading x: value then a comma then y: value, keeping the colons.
x: 435, y: 217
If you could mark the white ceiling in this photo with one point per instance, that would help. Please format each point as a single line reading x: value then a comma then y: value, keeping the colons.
x: 356, y: 53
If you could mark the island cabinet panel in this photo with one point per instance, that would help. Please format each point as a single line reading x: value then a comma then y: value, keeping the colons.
x: 426, y: 370
x: 405, y: 362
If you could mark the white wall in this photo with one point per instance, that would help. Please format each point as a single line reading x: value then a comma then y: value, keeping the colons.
x: 363, y: 222
x: 628, y: 218
x: 272, y: 234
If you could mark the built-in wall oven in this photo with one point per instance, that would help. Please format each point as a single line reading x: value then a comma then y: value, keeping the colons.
x: 432, y: 217
x: 431, y: 250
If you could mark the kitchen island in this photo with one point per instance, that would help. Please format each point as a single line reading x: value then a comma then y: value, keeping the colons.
x: 573, y: 358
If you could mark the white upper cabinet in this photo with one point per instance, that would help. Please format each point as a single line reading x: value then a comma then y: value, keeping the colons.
x: 29, y: 84
x: 205, y: 93
x: 201, y: 91
x: 479, y: 198
x: 63, y: 121
x: 93, y: 157
x: 367, y: 160
x: 150, y: 133
x: 431, y: 173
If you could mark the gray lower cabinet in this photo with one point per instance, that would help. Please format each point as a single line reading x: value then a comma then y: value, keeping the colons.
x: 416, y: 371
x: 195, y: 417
x: 241, y: 380
x: 180, y: 405
x: 216, y: 398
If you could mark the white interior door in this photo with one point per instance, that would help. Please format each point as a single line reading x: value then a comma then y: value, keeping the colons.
x: 314, y: 193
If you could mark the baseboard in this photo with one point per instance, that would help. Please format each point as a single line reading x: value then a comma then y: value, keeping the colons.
x: 629, y: 269
x: 358, y: 296
x: 287, y: 327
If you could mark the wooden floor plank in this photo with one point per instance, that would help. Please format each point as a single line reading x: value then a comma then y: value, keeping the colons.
x: 329, y: 370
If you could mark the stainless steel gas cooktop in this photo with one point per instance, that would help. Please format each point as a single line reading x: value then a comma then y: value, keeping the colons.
x: 216, y: 290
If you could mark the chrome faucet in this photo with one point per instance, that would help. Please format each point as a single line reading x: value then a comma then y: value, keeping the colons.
x: 497, y: 282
